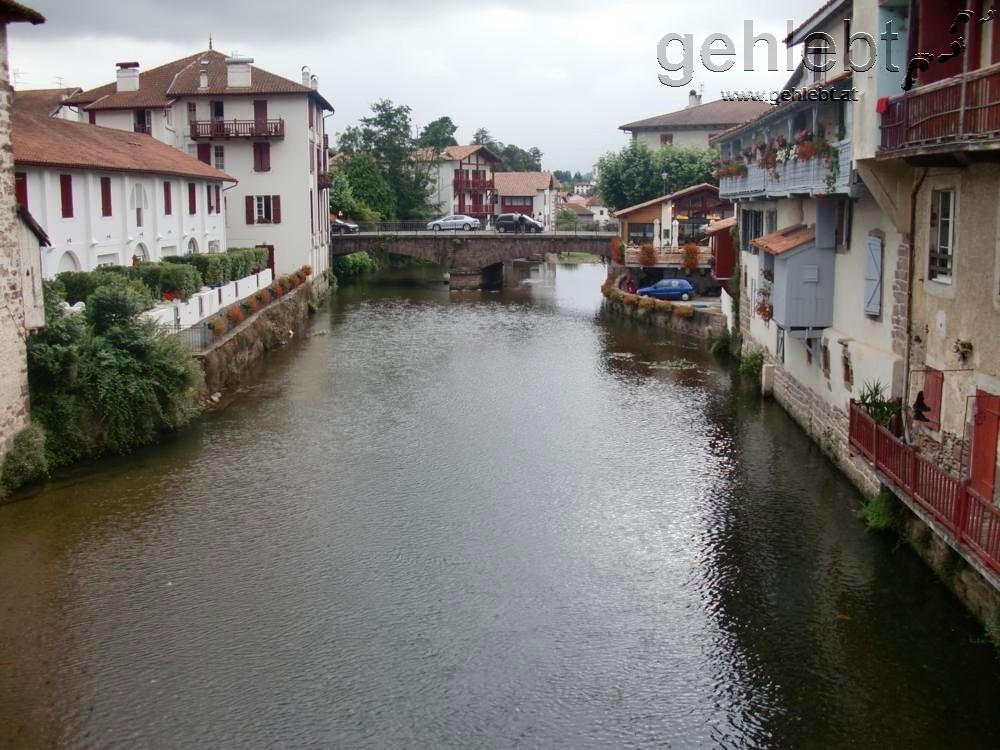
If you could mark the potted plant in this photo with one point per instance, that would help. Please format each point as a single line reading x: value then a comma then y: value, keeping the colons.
x: 647, y: 255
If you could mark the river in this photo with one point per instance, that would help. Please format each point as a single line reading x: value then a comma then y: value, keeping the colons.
x: 479, y: 520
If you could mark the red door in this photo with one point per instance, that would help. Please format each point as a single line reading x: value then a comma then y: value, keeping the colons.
x: 260, y: 116
x: 270, y: 256
x: 984, y: 444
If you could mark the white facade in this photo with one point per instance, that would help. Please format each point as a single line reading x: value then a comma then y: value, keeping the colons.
x: 88, y: 239
x: 296, y: 160
x: 685, y: 138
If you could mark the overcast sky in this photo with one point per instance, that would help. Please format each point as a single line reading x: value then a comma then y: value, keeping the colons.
x: 561, y: 77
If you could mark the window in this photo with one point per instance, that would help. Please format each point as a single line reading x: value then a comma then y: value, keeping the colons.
x: 220, y: 157
x: 942, y: 252
x: 213, y: 246
x: 168, y: 202
x: 218, y: 111
x: 845, y: 361
x: 771, y: 221
x: 192, y: 198
x: 517, y: 201
x: 933, y: 385
x: 666, y: 139
x: 640, y: 234
x: 192, y: 111
x: 92, y: 117
x: 817, y: 54
x: 168, y: 115
x: 751, y: 227
x: 263, y: 209
x: 21, y: 189
x: 873, y: 276
x: 210, y: 198
x: 262, y: 157
x: 218, y: 199
x: 138, y: 202
x: 205, y: 153
x: 105, y: 196
x: 66, y: 195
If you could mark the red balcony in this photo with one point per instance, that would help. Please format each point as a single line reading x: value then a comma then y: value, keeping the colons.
x: 956, y: 114
x: 475, y: 209
x: 969, y: 521
x: 238, y: 129
x: 465, y: 183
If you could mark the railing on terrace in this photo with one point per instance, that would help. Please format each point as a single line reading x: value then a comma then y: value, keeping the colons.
x: 473, y: 209
x: 140, y: 128
x: 669, y: 257
x: 816, y: 176
x: 238, y: 129
x: 463, y: 183
x: 971, y: 520
x: 198, y: 337
x: 964, y: 109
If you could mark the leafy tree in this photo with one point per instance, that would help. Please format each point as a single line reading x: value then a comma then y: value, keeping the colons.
x: 438, y: 135
x: 482, y: 137
x: 577, y: 177
x: 512, y: 158
x: 369, y: 183
x: 633, y: 175
x: 562, y: 175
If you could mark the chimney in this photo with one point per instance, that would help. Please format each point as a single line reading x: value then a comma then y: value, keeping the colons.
x: 306, y: 75
x: 128, y: 76
x: 694, y: 98
x: 238, y: 72
x: 314, y: 82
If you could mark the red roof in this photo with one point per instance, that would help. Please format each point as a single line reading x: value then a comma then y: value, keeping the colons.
x: 522, y: 183
x: 454, y: 153
x: 717, y: 226
x: 52, y: 142
x: 668, y: 198
x: 786, y: 239
x: 43, y: 102
x: 718, y: 114
x: 160, y: 86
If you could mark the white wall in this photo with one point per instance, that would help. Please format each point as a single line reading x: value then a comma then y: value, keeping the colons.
x: 693, y: 138
x: 89, y: 239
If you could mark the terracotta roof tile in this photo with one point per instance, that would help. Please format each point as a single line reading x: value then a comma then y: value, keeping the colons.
x: 11, y: 11
x: 665, y: 198
x: 577, y: 208
x: 43, y: 102
x: 723, y: 224
x: 720, y: 114
x: 52, y: 142
x: 522, y: 183
x: 158, y: 87
x: 454, y: 153
x: 786, y: 239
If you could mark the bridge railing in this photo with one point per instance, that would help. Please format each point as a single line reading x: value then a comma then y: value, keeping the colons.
x: 402, y: 228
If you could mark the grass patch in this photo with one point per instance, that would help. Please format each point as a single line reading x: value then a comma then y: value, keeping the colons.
x: 879, y: 512
x: 752, y: 363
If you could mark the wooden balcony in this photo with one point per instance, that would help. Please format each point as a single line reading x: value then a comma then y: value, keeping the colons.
x: 956, y: 114
x: 816, y: 176
x: 464, y: 183
x: 237, y: 129
x: 670, y: 258
x: 475, y: 209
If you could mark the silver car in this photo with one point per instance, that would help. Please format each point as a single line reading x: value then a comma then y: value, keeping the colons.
x: 455, y: 221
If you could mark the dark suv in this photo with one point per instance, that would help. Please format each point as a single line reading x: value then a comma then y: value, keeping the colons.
x: 517, y: 223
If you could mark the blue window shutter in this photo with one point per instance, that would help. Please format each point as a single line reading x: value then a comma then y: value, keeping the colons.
x: 873, y: 276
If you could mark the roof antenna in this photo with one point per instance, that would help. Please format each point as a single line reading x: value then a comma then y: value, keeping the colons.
x: 210, y: 41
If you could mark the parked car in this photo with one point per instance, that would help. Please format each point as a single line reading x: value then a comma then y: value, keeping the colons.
x: 455, y: 221
x: 517, y: 223
x: 672, y: 289
x: 339, y: 226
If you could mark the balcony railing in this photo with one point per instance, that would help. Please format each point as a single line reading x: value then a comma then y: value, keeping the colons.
x: 669, y: 257
x: 970, y: 521
x: 816, y: 176
x: 475, y: 209
x: 139, y: 128
x: 463, y: 183
x: 238, y: 129
x: 957, y: 113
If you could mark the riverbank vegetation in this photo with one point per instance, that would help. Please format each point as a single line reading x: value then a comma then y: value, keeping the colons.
x: 634, y: 174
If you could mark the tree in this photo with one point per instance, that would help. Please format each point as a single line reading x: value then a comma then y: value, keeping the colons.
x: 438, y: 135
x: 482, y: 137
x: 369, y: 183
x: 562, y: 175
x: 633, y: 175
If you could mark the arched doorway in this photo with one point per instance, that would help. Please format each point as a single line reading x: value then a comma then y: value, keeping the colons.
x: 68, y: 262
x: 140, y: 253
x: 192, y: 245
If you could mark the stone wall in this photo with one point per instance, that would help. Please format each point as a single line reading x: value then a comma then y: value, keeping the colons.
x: 704, y: 324
x: 13, y: 363
x: 226, y: 364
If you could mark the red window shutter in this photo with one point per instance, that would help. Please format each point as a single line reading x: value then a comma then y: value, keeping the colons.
x: 192, y: 198
x: 265, y: 150
x: 276, y: 209
x: 92, y: 118
x: 105, y: 196
x: 168, y: 199
x: 251, y: 210
x: 205, y: 152
x: 208, y: 199
x: 66, y: 193
x: 312, y: 214
x: 21, y: 189
x: 218, y: 199
x: 933, y: 386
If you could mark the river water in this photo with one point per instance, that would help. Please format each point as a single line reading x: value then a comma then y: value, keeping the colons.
x: 478, y: 520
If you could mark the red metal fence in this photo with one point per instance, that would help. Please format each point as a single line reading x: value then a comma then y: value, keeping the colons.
x: 962, y: 108
x: 973, y: 520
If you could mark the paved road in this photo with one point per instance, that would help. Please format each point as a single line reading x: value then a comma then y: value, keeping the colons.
x: 487, y: 233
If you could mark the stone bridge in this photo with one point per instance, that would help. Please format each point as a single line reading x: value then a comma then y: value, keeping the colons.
x: 467, y: 256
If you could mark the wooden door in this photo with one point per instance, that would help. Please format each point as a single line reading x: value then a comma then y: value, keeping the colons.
x: 260, y: 116
x: 986, y: 428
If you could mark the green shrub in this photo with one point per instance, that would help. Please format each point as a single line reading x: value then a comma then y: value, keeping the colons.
x: 113, y: 305
x: 353, y: 266
x: 181, y: 279
x: 720, y: 344
x: 879, y: 512
x: 25, y: 462
x: 752, y: 363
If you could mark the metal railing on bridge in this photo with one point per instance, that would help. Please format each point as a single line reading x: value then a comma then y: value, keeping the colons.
x: 413, y: 228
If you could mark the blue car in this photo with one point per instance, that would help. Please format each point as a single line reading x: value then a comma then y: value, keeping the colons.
x: 672, y: 289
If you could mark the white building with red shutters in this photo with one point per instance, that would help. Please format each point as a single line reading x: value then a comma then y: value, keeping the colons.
x: 462, y: 180
x: 531, y: 193
x: 106, y: 197
x: 266, y: 131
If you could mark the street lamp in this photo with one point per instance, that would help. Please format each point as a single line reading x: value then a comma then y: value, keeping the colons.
x: 664, y: 177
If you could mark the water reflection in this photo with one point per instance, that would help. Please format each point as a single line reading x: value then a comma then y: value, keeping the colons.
x: 487, y: 519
